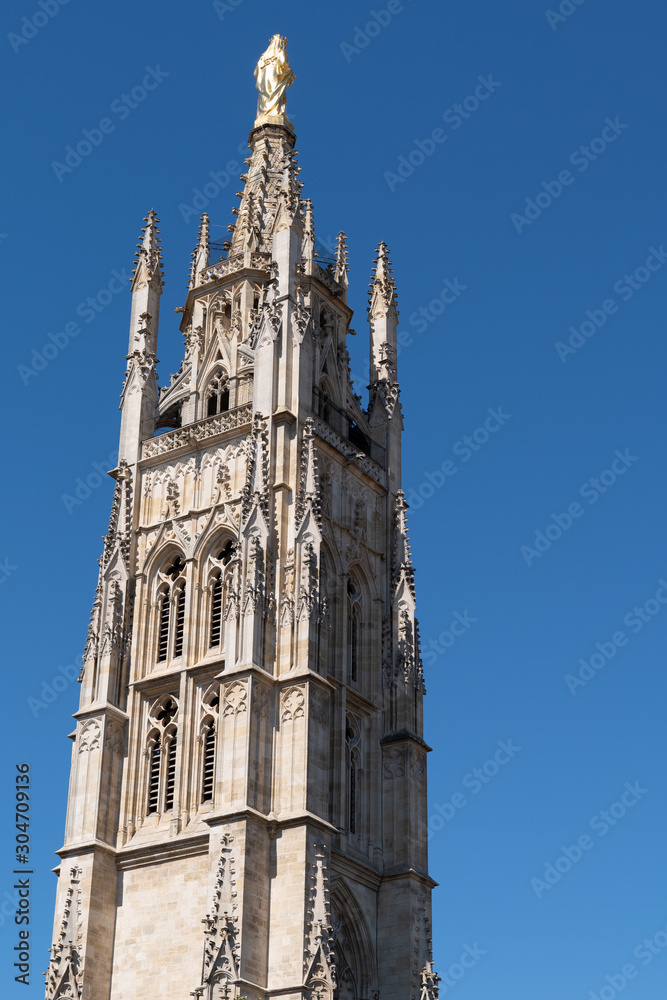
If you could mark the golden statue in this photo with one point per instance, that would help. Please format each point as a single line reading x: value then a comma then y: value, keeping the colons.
x: 274, y: 76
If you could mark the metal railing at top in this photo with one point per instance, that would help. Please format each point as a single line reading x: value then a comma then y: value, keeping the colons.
x: 347, y: 427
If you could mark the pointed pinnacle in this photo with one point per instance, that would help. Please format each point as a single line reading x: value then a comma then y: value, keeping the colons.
x: 382, y: 285
x: 200, y: 254
x: 149, y: 250
x: 308, y: 244
x: 342, y: 259
x: 309, y: 223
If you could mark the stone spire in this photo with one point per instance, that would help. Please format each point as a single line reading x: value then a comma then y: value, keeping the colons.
x: 139, y: 395
x: 382, y: 294
x: 341, y: 269
x: 200, y: 254
x: 271, y: 196
x: 308, y: 236
x: 402, y: 568
x: 429, y: 983
x: 148, y: 264
x: 383, y: 319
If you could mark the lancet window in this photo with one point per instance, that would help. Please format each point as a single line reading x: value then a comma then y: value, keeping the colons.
x: 208, y: 736
x: 353, y: 632
x: 217, y: 394
x: 171, y: 611
x: 217, y: 587
x: 353, y: 751
x: 161, y: 753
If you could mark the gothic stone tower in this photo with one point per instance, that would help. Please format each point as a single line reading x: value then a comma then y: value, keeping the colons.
x: 247, y: 803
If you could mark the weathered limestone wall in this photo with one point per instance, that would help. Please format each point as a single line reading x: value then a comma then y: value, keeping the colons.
x: 159, y: 935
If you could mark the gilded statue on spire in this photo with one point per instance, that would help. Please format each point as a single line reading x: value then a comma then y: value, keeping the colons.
x: 273, y: 76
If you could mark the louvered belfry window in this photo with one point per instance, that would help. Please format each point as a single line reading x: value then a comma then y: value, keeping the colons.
x: 352, y: 819
x: 180, y: 622
x: 354, y: 643
x: 154, y: 776
x: 216, y: 611
x: 209, y: 764
x: 171, y: 774
x: 163, y: 638
x: 171, y: 624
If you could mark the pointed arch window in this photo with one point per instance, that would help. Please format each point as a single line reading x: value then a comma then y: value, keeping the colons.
x: 216, y: 610
x: 353, y: 747
x: 353, y: 793
x: 171, y: 612
x: 353, y: 632
x: 224, y: 556
x: 217, y: 395
x: 209, y: 764
x: 154, y: 775
x: 162, y: 747
x: 208, y: 745
x: 170, y: 778
x: 163, y: 637
x: 180, y: 622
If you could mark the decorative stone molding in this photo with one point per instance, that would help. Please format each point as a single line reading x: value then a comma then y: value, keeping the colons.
x: 114, y: 741
x: 319, y: 965
x: 292, y: 702
x: 221, y: 931
x: 200, y: 430
x: 337, y: 441
x: 64, y: 976
x: 89, y: 737
x: 393, y: 763
x: 235, y: 698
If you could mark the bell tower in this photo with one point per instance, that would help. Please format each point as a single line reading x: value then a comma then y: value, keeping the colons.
x: 247, y: 802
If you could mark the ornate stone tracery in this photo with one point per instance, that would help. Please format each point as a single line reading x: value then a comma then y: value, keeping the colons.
x: 64, y: 976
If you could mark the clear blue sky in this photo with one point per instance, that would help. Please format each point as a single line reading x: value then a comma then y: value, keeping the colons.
x: 569, y: 115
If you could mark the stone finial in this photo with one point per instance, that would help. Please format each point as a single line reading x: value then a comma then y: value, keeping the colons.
x: 429, y: 983
x: 308, y: 495
x: 308, y: 253
x: 148, y: 263
x: 200, y: 254
x: 382, y: 287
x: 342, y: 259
